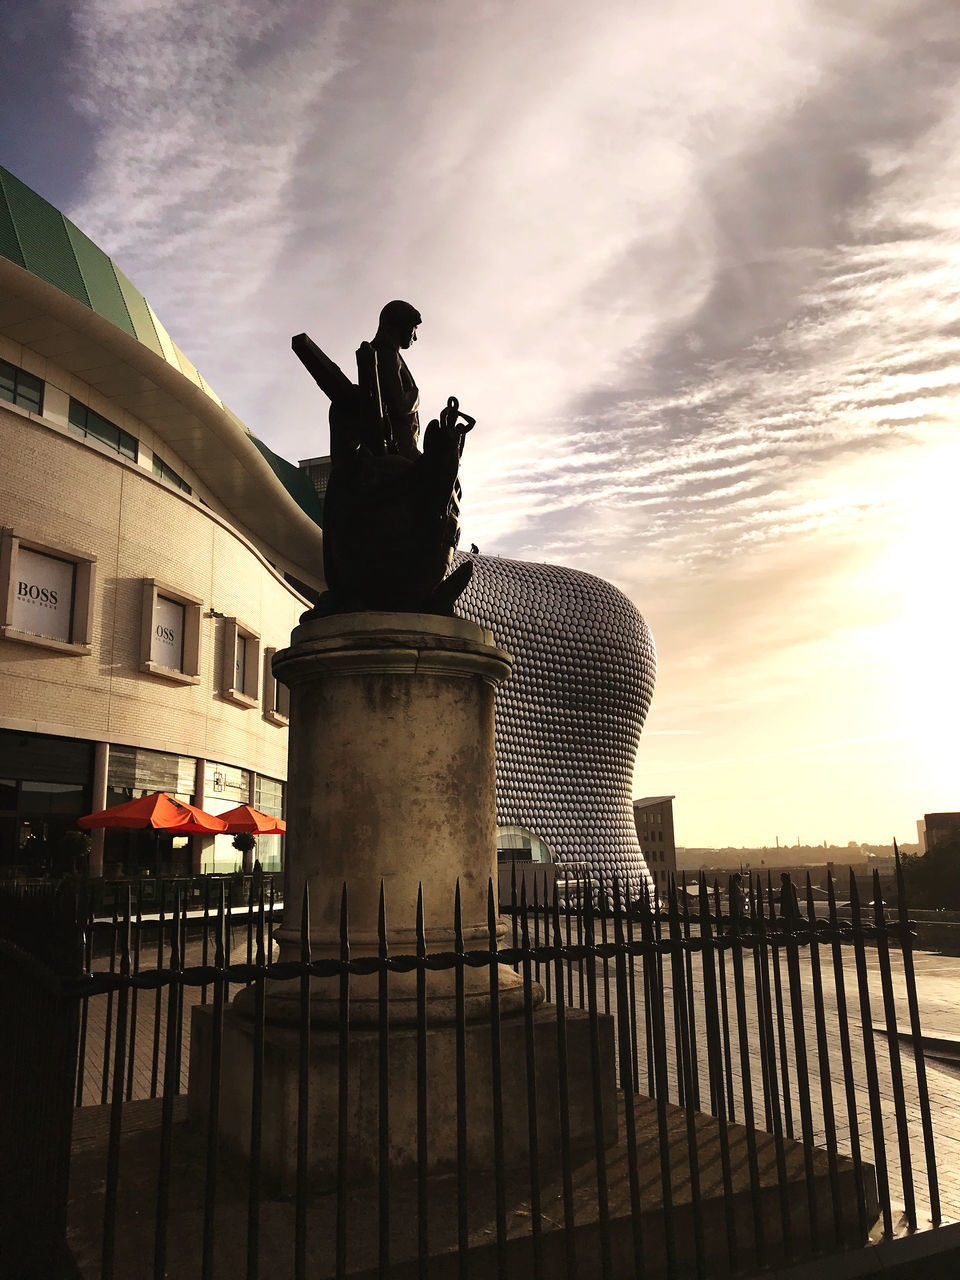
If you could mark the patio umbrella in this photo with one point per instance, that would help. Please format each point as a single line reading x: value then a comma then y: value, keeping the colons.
x: 245, y: 818
x: 159, y: 812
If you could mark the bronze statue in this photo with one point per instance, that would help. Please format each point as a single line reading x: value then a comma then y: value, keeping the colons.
x: 391, y: 513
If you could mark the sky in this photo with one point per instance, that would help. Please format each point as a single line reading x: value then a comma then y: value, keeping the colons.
x: 693, y: 266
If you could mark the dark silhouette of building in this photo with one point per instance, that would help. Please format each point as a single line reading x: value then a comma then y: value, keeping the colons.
x: 937, y: 828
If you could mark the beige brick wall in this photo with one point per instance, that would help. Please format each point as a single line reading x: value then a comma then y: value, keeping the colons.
x: 60, y: 491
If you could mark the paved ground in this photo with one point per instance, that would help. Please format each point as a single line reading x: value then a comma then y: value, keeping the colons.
x: 938, y: 986
x: 938, y: 980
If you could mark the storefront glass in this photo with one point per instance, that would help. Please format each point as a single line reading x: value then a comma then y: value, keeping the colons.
x: 133, y: 772
x: 269, y: 799
x: 44, y: 788
x: 226, y: 787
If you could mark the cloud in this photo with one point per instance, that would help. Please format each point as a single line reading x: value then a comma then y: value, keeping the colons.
x: 692, y: 267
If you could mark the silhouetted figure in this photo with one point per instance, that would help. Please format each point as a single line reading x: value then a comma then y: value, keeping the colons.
x: 391, y: 515
x: 399, y: 396
x: 789, y: 905
x: 737, y: 896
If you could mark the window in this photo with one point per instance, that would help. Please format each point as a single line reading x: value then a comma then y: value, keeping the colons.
x: 276, y: 695
x: 44, y: 788
x: 166, y: 646
x: 227, y: 783
x: 268, y: 796
x: 170, y: 633
x: 87, y: 424
x: 241, y: 663
x: 225, y: 786
x: 164, y: 472
x: 45, y: 595
x: 20, y: 388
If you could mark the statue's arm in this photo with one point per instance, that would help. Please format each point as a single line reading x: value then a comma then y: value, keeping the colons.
x: 329, y: 377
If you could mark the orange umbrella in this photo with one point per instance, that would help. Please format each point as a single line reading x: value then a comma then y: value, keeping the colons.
x: 245, y: 818
x: 157, y: 811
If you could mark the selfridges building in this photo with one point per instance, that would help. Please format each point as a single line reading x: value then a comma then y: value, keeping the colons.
x: 569, y: 718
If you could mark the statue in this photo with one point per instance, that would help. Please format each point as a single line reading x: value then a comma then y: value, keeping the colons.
x: 398, y: 391
x: 391, y: 512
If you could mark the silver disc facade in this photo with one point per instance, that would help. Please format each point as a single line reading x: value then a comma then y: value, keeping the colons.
x: 569, y: 719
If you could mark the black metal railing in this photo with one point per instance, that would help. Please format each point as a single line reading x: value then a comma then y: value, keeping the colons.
x: 760, y: 1118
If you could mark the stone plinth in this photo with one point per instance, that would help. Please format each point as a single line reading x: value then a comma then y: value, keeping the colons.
x: 391, y: 781
x: 281, y: 1090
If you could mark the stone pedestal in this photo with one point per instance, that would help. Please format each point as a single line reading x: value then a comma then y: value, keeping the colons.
x: 392, y: 784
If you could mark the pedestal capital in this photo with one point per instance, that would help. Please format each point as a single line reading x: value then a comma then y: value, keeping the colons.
x: 391, y: 643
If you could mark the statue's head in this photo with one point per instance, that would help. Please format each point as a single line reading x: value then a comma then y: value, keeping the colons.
x: 398, y: 323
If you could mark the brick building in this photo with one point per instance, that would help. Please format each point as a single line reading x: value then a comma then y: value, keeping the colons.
x: 153, y: 555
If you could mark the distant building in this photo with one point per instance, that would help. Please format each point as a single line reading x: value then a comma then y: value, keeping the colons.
x: 653, y: 816
x: 937, y: 828
x: 318, y: 473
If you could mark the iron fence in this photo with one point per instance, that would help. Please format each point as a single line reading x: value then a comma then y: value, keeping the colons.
x: 708, y: 1085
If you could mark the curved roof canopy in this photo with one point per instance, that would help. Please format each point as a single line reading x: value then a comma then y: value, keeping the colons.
x: 61, y: 296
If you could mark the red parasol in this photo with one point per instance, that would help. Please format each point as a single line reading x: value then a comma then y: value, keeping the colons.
x: 245, y: 818
x: 157, y: 811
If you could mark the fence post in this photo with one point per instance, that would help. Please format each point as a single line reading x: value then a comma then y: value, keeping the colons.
x: 40, y: 1011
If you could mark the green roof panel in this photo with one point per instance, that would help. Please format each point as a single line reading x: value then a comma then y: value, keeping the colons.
x: 101, y: 283
x: 47, y: 251
x: 139, y: 312
x: 296, y: 482
x: 36, y: 236
x: 9, y: 244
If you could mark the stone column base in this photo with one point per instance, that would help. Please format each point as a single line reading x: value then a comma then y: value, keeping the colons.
x: 281, y: 1086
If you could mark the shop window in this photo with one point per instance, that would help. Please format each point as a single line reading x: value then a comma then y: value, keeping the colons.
x: 170, y: 633
x: 225, y: 786
x: 276, y: 695
x: 44, y: 788
x: 241, y: 663
x: 20, y: 388
x: 133, y: 772
x: 166, y: 473
x: 268, y: 798
x: 46, y: 595
x: 89, y: 425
